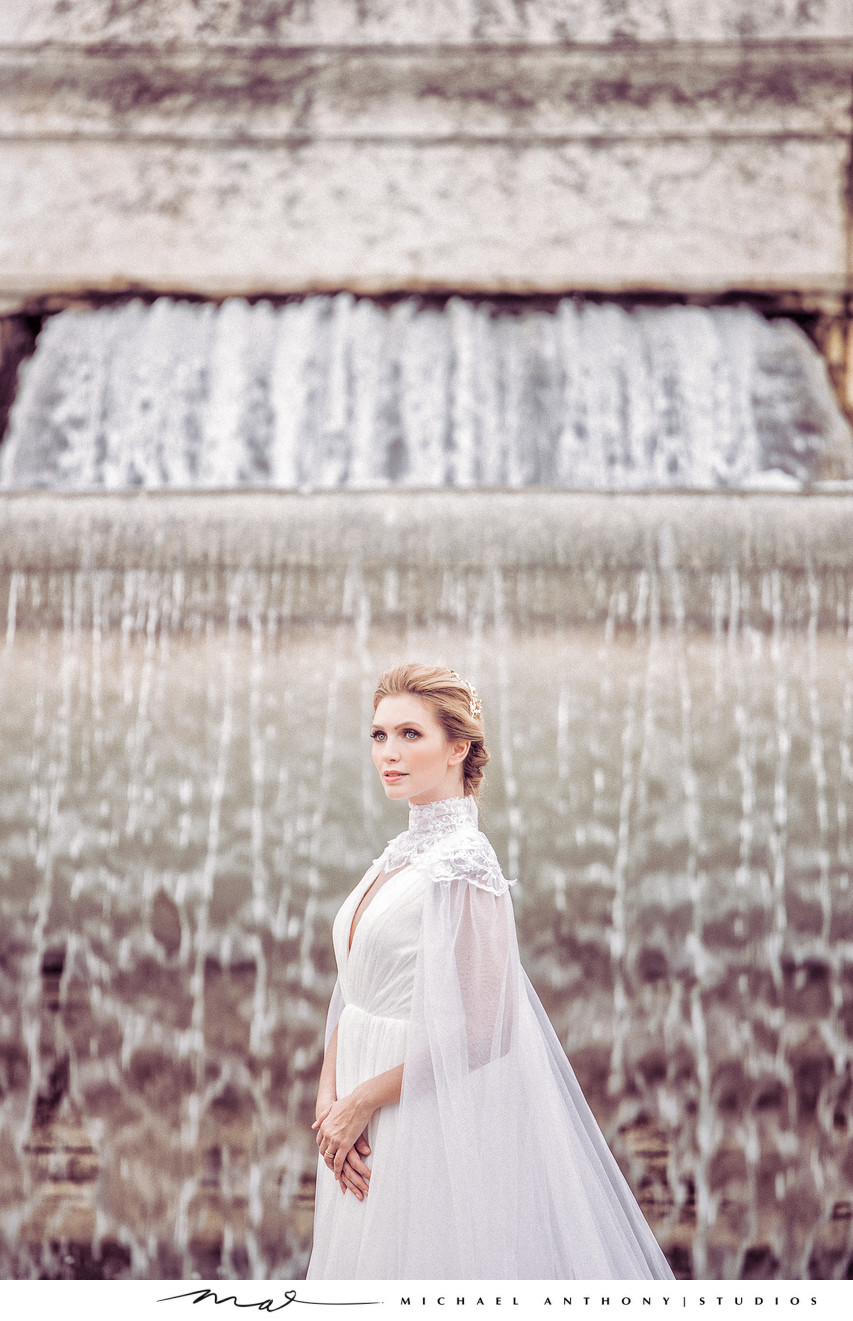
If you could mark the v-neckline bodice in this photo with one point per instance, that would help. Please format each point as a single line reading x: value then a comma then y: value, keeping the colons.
x: 353, y: 926
x: 429, y: 824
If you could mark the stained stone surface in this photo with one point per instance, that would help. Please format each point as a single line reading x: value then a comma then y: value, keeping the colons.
x: 555, y: 93
x: 373, y: 216
x: 221, y: 148
x: 423, y: 21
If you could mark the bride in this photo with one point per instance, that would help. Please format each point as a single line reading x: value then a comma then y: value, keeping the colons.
x: 455, y: 1142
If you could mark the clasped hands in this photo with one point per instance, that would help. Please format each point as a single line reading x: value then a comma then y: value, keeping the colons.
x: 342, y: 1138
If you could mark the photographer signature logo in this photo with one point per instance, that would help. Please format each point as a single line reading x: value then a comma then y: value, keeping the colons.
x: 264, y: 1304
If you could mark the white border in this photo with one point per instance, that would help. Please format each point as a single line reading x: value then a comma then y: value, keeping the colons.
x: 196, y: 1300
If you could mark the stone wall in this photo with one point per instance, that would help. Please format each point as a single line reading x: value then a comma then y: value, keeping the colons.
x: 272, y: 146
x: 418, y: 22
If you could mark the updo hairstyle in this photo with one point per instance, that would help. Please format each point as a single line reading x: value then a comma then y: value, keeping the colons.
x: 451, y: 702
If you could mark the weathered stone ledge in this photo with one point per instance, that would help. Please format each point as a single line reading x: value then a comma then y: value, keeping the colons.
x: 476, y: 217
x: 425, y: 21
x: 414, y: 530
x: 558, y: 93
x: 209, y: 147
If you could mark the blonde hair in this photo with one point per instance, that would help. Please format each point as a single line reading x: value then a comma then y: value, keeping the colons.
x: 454, y: 705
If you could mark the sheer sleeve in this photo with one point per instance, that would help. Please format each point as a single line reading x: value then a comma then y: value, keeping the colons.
x: 502, y: 1172
x: 469, y: 915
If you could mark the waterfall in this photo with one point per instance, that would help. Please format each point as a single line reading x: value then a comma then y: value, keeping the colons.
x: 188, y: 793
x: 338, y: 391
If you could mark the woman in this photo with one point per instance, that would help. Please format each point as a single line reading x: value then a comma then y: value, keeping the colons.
x: 455, y: 1142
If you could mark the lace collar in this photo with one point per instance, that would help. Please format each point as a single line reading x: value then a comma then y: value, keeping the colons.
x: 428, y: 823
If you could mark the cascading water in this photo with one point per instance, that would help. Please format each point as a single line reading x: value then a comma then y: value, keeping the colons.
x: 187, y: 794
x: 327, y: 392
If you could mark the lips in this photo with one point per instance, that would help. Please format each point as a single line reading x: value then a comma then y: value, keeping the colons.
x: 393, y: 776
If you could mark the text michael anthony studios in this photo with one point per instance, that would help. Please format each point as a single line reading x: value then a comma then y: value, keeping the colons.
x: 607, y: 1300
x: 826, y: 1299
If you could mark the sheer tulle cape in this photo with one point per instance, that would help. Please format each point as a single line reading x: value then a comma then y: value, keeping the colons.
x: 500, y: 1170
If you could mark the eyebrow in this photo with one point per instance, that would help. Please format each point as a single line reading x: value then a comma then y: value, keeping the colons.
x: 405, y: 724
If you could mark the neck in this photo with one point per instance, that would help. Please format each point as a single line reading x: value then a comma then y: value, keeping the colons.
x: 438, y: 798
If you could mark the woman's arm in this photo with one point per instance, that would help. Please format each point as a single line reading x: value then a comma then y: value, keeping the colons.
x: 384, y: 1089
x: 326, y: 1088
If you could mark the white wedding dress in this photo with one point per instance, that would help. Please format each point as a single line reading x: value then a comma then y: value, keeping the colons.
x: 492, y: 1165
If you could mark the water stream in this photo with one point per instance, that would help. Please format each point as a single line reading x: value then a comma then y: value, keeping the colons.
x: 336, y: 391
x: 187, y: 793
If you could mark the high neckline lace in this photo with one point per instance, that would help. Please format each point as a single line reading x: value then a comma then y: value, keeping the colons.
x: 428, y: 823
x: 442, y: 816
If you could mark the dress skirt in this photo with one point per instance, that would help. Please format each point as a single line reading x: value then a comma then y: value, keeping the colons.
x: 376, y: 979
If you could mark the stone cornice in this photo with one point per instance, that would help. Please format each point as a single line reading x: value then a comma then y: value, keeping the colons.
x: 262, y: 95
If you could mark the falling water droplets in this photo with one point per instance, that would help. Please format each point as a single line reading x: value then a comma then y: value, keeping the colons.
x: 338, y: 391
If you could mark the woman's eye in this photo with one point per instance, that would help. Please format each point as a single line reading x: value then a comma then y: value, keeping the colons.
x: 413, y: 733
x: 377, y: 734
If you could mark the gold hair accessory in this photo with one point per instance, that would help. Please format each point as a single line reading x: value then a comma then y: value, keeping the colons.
x: 475, y: 706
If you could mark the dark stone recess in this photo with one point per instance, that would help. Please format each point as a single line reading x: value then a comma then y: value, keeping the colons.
x: 813, y: 310
x: 17, y: 342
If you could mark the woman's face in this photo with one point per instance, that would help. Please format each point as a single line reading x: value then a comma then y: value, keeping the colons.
x: 412, y: 753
